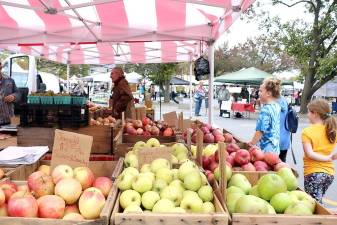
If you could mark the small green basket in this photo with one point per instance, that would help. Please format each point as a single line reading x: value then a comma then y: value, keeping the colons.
x: 47, y: 100
x: 79, y: 100
x: 33, y: 99
x: 62, y: 100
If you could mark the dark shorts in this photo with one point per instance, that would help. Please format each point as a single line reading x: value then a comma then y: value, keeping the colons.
x: 316, y: 184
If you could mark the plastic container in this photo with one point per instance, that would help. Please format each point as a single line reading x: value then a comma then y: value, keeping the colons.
x: 47, y: 100
x: 31, y: 99
x: 79, y: 100
x: 62, y: 100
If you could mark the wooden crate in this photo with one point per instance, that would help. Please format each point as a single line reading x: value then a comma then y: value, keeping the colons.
x: 146, y: 218
x: 12, y: 141
x: 9, y: 169
x: 36, y: 136
x: 322, y: 216
x: 100, y: 169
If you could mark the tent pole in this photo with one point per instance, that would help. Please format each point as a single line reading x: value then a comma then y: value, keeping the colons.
x: 191, y: 97
x: 210, y: 82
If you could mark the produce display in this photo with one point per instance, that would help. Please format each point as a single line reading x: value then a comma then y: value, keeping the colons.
x: 179, y: 152
x: 2, y: 173
x: 273, y: 193
x: 5, y: 136
x: 107, y: 121
x: 211, y: 135
x: 159, y: 189
x: 147, y: 127
x: 71, y: 194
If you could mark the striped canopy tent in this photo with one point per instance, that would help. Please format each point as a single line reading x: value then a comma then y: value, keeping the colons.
x: 116, y: 31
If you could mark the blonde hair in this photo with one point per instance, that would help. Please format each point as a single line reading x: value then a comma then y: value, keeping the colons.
x: 273, y: 85
x: 323, y: 109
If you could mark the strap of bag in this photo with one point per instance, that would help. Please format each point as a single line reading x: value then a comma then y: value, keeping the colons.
x: 292, y: 150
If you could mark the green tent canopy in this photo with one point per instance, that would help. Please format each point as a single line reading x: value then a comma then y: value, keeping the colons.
x: 250, y: 76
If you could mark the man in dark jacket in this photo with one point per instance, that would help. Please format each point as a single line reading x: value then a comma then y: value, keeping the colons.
x: 122, y: 98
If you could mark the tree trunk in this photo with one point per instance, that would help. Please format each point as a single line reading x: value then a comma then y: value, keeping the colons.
x: 167, y: 92
x: 307, y: 92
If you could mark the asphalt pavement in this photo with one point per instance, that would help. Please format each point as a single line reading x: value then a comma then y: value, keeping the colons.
x: 244, y: 128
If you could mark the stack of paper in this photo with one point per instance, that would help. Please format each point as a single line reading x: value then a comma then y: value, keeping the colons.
x: 22, y: 155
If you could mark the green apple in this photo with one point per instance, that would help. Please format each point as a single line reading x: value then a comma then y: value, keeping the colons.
x: 175, y: 174
x: 271, y: 210
x: 228, y: 173
x: 172, y: 193
x: 178, y: 148
x: 192, y: 204
x: 193, y: 181
x: 163, y: 206
x: 250, y: 204
x: 129, y: 197
x: 269, y: 185
x: 153, y: 142
x: 186, y: 168
x: 301, y: 196
x: 159, y: 185
x: 289, y: 178
x: 188, y: 192
x: 206, y: 193
x: 150, y: 198
x: 132, y: 209
x: 208, y: 207
x: 254, y: 191
x: 203, y: 178
x: 182, y: 157
x: 159, y: 163
x: 142, y: 184
x: 178, y: 184
x: 281, y: 201
x: 145, y: 168
x: 234, y: 189
x: 124, y: 181
x: 240, y: 181
x: 232, y: 198
x: 138, y: 145
x: 178, y: 210
x: 299, y: 209
x: 209, y: 150
x: 131, y: 170
x: 164, y: 174
x: 131, y: 160
x: 150, y: 175
x: 174, y: 160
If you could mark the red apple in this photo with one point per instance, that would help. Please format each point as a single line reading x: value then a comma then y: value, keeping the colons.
x: 69, y: 189
x: 22, y: 207
x: 242, y: 157
x: 168, y: 132
x: 137, y: 124
x: 2, y: 197
x: 217, y: 132
x: 51, y: 206
x: 209, y: 138
x: 194, y: 138
x: 131, y: 130
x: 140, y: 131
x: 213, y: 166
x: 253, y: 148
x: 280, y: 165
x: 228, y: 137
x: 230, y: 160
x: 104, y: 184
x: 146, y: 133
x: 206, y: 161
x: 261, y: 164
x: 260, y: 168
x: 91, y: 203
x: 256, y: 154
x: 219, y: 138
x: 41, y: 184
x: 146, y: 121
x: 210, y: 178
x: 71, y: 209
x: 216, y: 154
x: 85, y: 176
x: 232, y: 147
x: 154, y: 130
x: 248, y: 167
x: 271, y: 158
x: 9, y: 188
x: 21, y: 194
x: 205, y: 130
x: 147, y: 127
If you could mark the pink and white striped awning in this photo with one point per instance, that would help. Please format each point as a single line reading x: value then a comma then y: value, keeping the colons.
x: 115, y: 31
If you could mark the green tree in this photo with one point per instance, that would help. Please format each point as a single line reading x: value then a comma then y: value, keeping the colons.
x: 312, y: 44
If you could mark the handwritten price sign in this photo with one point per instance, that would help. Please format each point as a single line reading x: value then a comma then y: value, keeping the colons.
x: 71, y: 149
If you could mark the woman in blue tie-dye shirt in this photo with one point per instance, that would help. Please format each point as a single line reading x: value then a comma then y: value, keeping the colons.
x: 267, y: 135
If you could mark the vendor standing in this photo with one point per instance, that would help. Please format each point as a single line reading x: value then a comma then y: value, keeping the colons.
x: 122, y: 98
x: 8, y: 95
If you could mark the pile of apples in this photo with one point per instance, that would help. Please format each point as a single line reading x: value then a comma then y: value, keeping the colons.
x: 273, y: 193
x: 66, y: 193
x: 107, y: 121
x: 147, y: 127
x: 211, y: 135
x: 158, y: 188
x: 241, y: 159
x: 179, y: 152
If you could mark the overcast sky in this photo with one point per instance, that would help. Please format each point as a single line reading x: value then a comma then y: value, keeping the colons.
x: 243, y: 29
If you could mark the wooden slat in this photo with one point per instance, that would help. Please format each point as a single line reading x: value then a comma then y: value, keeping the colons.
x: 36, y: 136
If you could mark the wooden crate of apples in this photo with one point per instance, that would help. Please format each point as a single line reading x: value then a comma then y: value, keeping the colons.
x: 64, y: 195
x: 157, y: 194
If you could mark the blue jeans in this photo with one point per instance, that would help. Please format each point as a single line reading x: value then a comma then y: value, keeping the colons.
x: 198, y: 106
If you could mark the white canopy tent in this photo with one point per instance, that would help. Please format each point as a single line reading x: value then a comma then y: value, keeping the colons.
x: 118, y: 31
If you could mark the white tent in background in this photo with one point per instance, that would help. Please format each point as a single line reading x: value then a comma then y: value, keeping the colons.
x: 73, y: 79
x: 51, y: 81
x: 100, y: 77
x: 328, y: 90
x: 133, y: 77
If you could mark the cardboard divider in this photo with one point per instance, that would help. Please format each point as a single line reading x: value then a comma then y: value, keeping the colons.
x: 147, y: 155
x: 222, y: 165
x: 200, y: 146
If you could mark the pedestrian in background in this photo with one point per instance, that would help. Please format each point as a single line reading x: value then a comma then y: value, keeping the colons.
x: 199, y: 95
x: 319, y: 142
x: 284, y: 133
x: 267, y: 134
x: 223, y: 95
